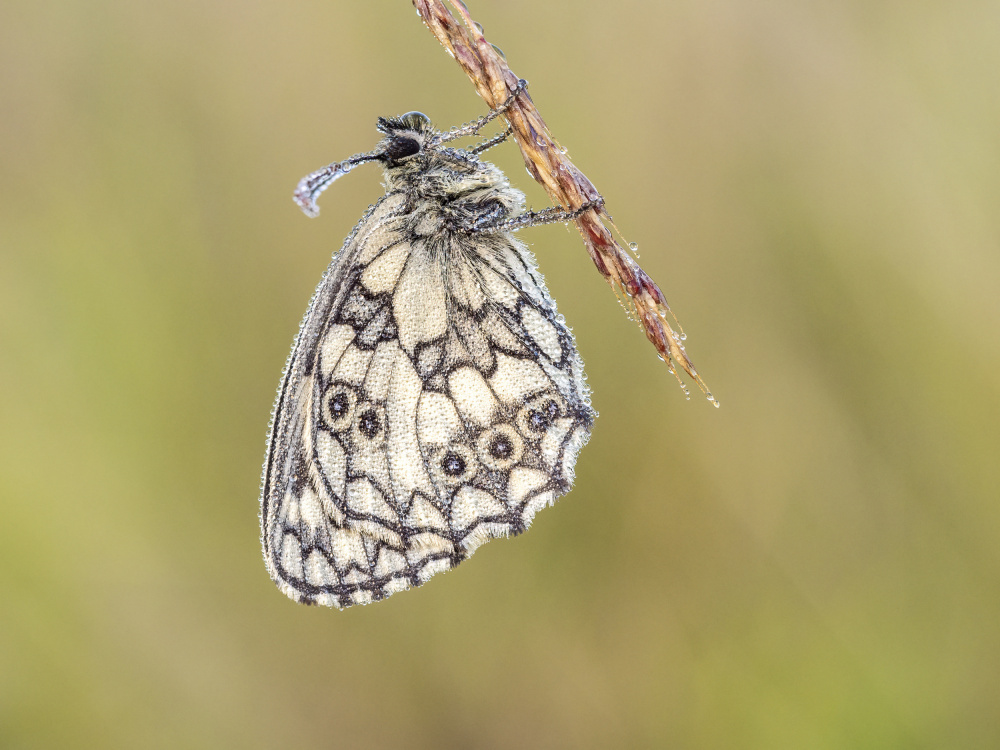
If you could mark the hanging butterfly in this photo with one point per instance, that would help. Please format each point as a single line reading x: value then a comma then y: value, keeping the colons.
x: 434, y: 398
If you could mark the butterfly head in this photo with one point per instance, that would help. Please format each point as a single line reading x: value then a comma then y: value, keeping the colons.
x: 406, y: 136
x: 410, y: 149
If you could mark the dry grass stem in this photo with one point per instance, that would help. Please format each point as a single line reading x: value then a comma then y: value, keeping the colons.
x: 566, y: 185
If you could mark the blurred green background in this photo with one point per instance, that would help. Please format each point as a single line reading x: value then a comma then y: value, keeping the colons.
x: 815, y: 565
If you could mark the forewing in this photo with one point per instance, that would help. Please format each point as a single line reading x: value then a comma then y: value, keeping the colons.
x: 310, y: 553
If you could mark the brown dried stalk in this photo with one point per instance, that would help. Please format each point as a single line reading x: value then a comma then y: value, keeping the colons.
x: 566, y: 185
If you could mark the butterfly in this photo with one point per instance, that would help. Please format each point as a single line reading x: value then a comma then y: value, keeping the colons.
x: 434, y: 398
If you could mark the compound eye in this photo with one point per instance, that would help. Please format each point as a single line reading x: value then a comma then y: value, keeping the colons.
x: 402, y: 147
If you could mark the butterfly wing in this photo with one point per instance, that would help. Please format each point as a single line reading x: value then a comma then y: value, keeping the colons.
x: 434, y: 400
x: 310, y: 553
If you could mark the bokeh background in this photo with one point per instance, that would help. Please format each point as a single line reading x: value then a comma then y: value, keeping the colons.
x: 816, y: 186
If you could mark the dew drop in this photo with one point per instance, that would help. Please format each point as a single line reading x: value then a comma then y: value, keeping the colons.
x: 479, y: 26
x: 634, y: 247
x: 682, y: 336
x: 498, y: 51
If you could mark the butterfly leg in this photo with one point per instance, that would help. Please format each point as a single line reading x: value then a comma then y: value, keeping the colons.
x: 553, y: 215
x: 492, y: 217
x: 476, y: 125
x: 494, y: 141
